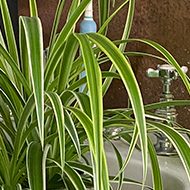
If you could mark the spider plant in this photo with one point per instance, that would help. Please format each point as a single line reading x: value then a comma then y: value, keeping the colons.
x: 47, y: 126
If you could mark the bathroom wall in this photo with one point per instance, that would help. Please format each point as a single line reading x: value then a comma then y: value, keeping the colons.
x: 163, y: 21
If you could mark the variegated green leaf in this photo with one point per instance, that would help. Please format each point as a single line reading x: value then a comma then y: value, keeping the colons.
x: 87, y: 124
x: 59, y: 115
x: 131, y: 85
x: 33, y: 33
x: 104, y: 9
x: 15, y: 69
x: 33, y: 8
x: 56, y: 23
x: 11, y: 187
x: 131, y: 148
x: 74, y: 177
x: 34, y: 166
x: 70, y: 126
x: 66, y: 63
x: 9, y: 31
x: 125, y: 35
x: 19, y: 141
x: 56, y: 52
x: 94, y: 82
x: 169, y: 57
x: 179, y: 142
x: 157, y: 181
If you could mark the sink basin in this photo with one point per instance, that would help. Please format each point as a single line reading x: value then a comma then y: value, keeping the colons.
x: 172, y: 171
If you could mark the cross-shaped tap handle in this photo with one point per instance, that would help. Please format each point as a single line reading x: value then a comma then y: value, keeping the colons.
x: 165, y: 71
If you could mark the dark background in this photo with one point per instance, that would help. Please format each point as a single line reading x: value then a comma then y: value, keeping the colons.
x: 165, y: 22
x: 12, y: 4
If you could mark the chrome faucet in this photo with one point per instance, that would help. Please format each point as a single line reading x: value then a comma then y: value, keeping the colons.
x: 167, y: 73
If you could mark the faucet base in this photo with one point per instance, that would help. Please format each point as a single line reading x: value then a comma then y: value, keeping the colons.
x: 163, y: 146
x: 161, y: 152
x: 113, y: 132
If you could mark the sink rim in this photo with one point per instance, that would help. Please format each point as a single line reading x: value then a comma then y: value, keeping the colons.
x: 167, y: 164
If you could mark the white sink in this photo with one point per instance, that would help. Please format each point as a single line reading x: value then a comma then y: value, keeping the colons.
x: 173, y: 174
